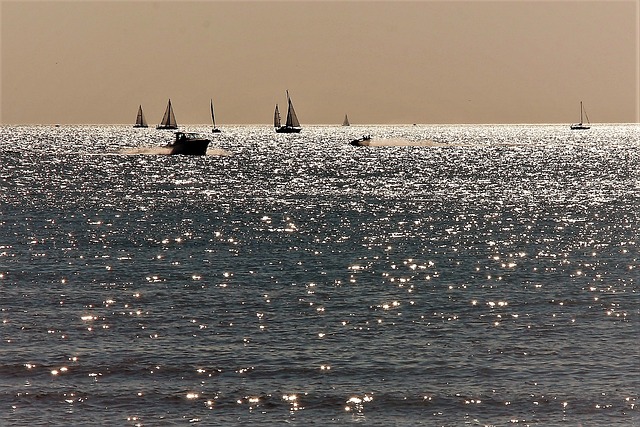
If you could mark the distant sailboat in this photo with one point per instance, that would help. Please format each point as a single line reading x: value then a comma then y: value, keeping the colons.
x: 141, y: 122
x: 346, y: 121
x: 292, y: 124
x: 169, y: 119
x: 213, y: 120
x: 578, y: 126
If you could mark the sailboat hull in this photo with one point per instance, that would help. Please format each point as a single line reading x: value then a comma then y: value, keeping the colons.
x: 288, y: 129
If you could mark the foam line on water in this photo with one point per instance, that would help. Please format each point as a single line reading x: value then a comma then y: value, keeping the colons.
x: 400, y: 142
x: 165, y: 151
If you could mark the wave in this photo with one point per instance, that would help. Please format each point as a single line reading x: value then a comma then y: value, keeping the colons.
x: 400, y: 142
x: 165, y: 151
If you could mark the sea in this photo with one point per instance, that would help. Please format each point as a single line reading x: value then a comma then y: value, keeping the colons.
x: 445, y: 275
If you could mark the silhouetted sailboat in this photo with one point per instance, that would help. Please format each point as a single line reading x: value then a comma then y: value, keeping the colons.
x: 292, y: 124
x: 213, y: 120
x: 141, y: 122
x: 276, y: 118
x: 346, y: 121
x: 579, y: 126
x: 169, y: 119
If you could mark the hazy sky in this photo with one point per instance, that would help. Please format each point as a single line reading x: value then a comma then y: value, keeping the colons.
x: 379, y: 61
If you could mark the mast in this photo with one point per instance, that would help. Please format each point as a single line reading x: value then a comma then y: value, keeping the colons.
x: 580, y: 112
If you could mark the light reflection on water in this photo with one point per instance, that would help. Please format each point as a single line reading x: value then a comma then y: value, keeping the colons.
x: 490, y: 279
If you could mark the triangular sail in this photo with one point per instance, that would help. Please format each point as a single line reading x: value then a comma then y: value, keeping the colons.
x: 346, y: 121
x: 169, y: 119
x: 141, y: 122
x: 276, y: 118
x: 213, y: 120
x: 292, y: 119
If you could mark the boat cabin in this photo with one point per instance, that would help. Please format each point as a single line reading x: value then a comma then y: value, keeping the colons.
x: 186, y: 137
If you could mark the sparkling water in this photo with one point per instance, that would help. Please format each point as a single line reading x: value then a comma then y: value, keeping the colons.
x: 444, y: 276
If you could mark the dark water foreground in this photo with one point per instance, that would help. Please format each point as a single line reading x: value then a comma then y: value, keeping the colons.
x: 489, y: 277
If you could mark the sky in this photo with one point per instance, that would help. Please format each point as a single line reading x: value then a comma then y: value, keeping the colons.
x: 386, y: 62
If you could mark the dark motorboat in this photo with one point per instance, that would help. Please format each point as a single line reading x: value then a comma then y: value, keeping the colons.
x: 189, y: 143
x: 292, y: 124
x: 361, y: 142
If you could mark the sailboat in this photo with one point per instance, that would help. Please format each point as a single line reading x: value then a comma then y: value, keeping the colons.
x: 346, y: 121
x: 213, y: 120
x: 578, y: 126
x: 169, y: 119
x: 292, y: 124
x: 141, y: 122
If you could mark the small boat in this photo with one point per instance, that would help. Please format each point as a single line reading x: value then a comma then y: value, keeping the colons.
x: 346, y: 121
x: 579, y: 126
x: 141, y: 122
x: 361, y: 142
x: 169, y: 119
x: 189, y: 143
x: 292, y: 124
x: 213, y: 120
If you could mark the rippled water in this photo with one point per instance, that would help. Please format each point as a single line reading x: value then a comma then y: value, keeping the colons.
x: 489, y: 277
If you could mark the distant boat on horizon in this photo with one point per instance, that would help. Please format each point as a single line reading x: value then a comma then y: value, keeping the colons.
x: 580, y: 126
x: 141, y: 122
x: 169, y: 119
x: 346, y: 121
x: 292, y: 125
x: 213, y: 120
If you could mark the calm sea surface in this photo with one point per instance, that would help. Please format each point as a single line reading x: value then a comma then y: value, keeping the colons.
x: 488, y: 278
